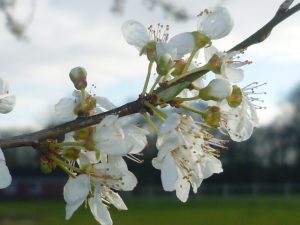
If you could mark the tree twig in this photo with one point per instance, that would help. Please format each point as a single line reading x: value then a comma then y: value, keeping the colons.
x: 32, y: 139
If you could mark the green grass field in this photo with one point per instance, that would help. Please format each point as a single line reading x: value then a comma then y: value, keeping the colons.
x: 203, y: 211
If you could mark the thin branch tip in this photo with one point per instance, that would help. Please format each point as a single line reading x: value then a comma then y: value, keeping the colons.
x: 285, y: 6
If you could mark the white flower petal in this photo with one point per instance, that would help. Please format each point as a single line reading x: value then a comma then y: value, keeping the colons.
x: 129, y: 182
x: 210, y: 165
x: 114, y: 198
x: 108, y: 121
x: 240, y: 129
x: 3, y: 87
x: 156, y: 163
x: 136, y: 139
x: 5, y: 177
x: 7, y: 103
x: 165, y: 48
x: 87, y: 158
x: 117, y: 162
x: 233, y: 74
x: 168, y: 142
x: 64, y: 109
x: 216, y: 24
x: 251, y: 110
x: 71, y: 208
x: 182, y: 189
x: 77, y: 189
x: 99, y: 210
x: 210, y: 52
x: 169, y: 173
x: 1, y: 155
x: 105, y: 103
x: 184, y: 43
x: 169, y: 124
x: 135, y: 34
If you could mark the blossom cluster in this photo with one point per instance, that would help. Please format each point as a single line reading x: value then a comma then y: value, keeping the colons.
x: 188, y: 150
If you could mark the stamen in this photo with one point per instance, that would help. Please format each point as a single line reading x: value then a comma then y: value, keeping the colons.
x: 135, y: 159
x: 161, y: 34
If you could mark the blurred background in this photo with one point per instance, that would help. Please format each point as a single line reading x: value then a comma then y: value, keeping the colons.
x: 260, y: 183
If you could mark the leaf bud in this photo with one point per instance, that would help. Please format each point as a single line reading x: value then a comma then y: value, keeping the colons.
x: 164, y: 63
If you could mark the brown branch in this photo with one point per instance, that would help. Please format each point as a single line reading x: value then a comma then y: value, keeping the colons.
x: 32, y: 139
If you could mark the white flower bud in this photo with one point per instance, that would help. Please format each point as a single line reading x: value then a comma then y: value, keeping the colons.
x: 217, y: 89
x: 78, y: 77
x: 164, y: 64
x: 215, y: 24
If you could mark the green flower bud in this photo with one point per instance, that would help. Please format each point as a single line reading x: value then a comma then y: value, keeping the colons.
x: 78, y: 77
x: 212, y: 116
x: 235, y: 99
x: 164, y: 63
x: 201, y: 40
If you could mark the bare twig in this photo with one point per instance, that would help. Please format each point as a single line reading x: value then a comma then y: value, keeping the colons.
x: 283, y: 13
x: 32, y: 139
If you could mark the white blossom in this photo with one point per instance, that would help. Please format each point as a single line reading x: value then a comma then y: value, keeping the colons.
x: 230, y: 66
x: 7, y: 101
x: 185, y: 155
x: 65, y: 109
x: 239, y: 122
x: 5, y: 177
x: 215, y: 23
x: 96, y: 187
x: 117, y: 136
x: 137, y: 35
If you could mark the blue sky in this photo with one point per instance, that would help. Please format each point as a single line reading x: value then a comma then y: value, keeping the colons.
x: 65, y: 34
